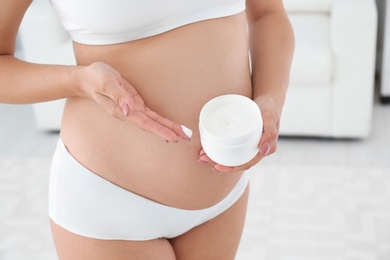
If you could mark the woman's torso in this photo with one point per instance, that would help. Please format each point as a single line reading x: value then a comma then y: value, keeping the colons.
x: 176, y: 73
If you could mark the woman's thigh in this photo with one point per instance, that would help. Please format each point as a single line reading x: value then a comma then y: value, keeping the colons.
x: 70, y: 246
x: 216, y: 239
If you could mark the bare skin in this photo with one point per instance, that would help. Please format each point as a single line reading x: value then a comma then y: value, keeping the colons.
x: 126, y: 103
x: 214, y: 240
x: 193, y: 66
x: 175, y: 79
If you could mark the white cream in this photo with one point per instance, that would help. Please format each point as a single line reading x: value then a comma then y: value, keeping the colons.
x: 230, y: 127
x: 187, y: 131
x: 231, y: 120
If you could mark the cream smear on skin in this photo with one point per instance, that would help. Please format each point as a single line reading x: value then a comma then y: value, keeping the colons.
x: 187, y: 131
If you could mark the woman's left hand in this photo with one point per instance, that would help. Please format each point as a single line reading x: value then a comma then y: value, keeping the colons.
x: 270, y: 113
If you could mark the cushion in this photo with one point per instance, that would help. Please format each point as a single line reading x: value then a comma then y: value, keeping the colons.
x: 307, y: 5
x: 313, y: 60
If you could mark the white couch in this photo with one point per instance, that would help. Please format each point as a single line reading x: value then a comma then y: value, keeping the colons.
x: 385, y: 68
x: 332, y: 77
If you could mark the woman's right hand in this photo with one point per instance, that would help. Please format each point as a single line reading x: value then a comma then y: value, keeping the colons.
x: 120, y: 99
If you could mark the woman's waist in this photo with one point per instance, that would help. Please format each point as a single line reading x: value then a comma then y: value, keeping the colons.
x: 140, y: 161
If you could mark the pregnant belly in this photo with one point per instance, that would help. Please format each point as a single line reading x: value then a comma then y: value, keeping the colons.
x: 176, y: 74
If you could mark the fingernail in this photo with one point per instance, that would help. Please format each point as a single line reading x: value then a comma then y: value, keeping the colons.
x: 202, y: 160
x: 215, y: 170
x: 187, y: 131
x: 264, y: 149
x: 125, y: 109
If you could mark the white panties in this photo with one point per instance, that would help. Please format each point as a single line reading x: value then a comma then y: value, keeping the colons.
x: 88, y: 205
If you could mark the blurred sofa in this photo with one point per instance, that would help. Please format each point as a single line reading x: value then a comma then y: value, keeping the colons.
x: 332, y: 77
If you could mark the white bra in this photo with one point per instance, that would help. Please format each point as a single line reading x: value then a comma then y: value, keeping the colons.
x: 99, y: 22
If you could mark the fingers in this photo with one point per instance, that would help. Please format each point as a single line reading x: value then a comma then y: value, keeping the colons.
x: 101, y: 80
x: 152, y: 122
x: 180, y: 130
x: 132, y: 104
x: 111, y: 107
x: 148, y: 124
x: 119, y: 96
x: 269, y: 138
x: 146, y: 120
x: 267, y: 144
x: 121, y: 100
x: 203, y: 158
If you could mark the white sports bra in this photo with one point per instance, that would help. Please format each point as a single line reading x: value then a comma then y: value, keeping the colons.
x: 99, y: 22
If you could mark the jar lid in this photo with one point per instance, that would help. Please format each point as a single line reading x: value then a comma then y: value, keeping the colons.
x: 230, y: 119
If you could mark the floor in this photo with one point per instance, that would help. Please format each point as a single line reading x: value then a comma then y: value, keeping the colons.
x: 314, y: 199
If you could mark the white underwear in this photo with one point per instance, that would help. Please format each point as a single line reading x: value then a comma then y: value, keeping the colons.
x: 88, y: 205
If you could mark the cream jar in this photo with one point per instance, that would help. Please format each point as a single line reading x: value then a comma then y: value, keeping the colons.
x: 230, y: 128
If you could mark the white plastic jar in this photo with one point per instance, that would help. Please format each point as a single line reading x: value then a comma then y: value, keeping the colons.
x: 230, y: 129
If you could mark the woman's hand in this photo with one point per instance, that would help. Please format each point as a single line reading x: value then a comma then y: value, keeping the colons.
x: 270, y: 113
x: 120, y: 99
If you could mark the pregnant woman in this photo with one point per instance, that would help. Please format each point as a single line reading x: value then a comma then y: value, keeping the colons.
x: 128, y: 180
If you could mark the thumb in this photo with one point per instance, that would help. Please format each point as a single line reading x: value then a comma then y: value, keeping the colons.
x: 269, y: 138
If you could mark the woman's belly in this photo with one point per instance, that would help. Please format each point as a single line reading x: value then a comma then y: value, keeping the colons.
x: 176, y: 73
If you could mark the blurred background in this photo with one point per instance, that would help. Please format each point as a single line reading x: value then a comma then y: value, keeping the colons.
x: 324, y: 195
